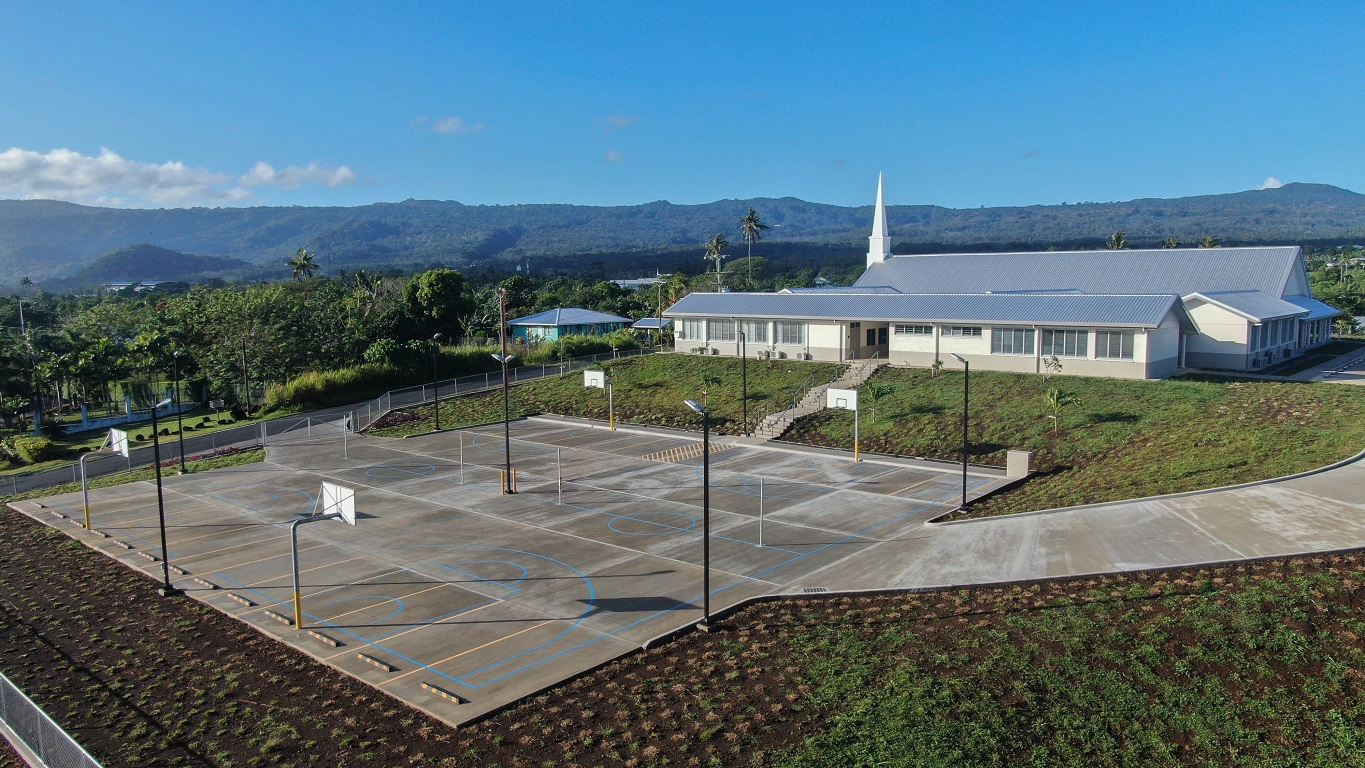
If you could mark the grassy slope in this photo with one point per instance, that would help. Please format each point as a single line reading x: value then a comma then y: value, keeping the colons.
x: 1126, y: 439
x: 648, y: 390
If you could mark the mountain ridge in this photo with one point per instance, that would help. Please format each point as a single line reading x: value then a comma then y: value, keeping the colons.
x: 55, y: 240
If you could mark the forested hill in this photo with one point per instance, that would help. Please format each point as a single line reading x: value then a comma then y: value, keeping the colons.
x: 45, y: 239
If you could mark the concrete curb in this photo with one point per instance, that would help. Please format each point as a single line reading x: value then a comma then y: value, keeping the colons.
x: 1181, y: 495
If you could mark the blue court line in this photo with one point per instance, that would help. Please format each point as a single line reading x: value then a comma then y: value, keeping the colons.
x: 588, y: 607
x: 717, y: 591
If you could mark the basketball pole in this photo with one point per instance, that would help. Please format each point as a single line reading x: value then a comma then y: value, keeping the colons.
x: 294, y: 550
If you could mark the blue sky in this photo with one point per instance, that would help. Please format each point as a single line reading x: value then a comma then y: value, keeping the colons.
x: 963, y: 104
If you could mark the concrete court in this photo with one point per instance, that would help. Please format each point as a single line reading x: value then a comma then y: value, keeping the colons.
x: 491, y: 597
x: 473, y: 595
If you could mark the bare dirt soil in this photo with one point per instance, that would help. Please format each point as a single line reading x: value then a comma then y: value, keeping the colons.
x: 1243, y: 664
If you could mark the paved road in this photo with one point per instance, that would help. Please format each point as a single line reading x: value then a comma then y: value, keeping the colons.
x: 247, y: 435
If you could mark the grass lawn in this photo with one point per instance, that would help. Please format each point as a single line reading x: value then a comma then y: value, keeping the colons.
x: 1125, y: 439
x: 647, y: 390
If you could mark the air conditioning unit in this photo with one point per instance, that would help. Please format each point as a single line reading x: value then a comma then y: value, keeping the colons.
x: 715, y: 351
x: 764, y: 354
x: 782, y: 355
x: 805, y: 356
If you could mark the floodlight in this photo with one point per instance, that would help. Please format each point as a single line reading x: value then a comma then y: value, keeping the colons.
x: 163, y: 403
x: 696, y: 406
x: 958, y: 358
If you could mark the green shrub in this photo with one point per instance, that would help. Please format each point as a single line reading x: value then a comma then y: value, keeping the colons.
x: 323, y: 388
x: 454, y: 362
x: 578, y: 346
x: 31, y: 449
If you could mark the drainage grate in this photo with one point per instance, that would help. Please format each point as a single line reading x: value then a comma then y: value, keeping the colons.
x: 808, y: 590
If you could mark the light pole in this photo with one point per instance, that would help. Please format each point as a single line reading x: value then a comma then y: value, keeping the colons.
x: 246, y: 378
x: 705, y: 624
x: 166, y: 589
x: 744, y: 384
x: 505, y: 359
x: 179, y: 421
x: 436, y: 380
x: 966, y: 383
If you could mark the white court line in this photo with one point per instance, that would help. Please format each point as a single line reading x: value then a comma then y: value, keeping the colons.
x: 331, y: 619
x: 471, y: 650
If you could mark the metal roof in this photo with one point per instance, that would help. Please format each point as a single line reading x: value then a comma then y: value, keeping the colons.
x: 568, y: 316
x: 1253, y: 305
x: 1316, y: 309
x: 652, y: 323
x: 1180, y: 271
x: 1030, y: 308
x: 842, y: 289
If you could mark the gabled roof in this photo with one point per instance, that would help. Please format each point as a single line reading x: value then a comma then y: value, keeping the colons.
x: 1015, y: 308
x: 1179, y: 271
x: 1316, y: 309
x: 568, y: 316
x: 1252, y: 305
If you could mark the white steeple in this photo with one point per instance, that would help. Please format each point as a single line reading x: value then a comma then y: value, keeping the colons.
x: 879, y: 244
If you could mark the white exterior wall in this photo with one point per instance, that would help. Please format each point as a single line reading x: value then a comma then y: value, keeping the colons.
x: 1159, y: 349
x: 1223, y: 339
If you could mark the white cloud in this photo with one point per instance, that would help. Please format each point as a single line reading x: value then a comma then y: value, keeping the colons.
x: 1271, y: 183
x: 455, y: 125
x: 112, y: 180
x: 617, y: 122
x: 614, y: 156
x: 106, y: 180
x: 293, y: 177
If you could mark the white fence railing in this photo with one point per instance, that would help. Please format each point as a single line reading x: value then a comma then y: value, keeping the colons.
x: 40, y: 733
x: 366, y: 414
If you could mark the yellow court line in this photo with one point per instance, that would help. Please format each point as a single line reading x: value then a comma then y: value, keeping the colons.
x: 913, y: 485
x: 253, y: 562
x: 236, y: 546
x: 448, y: 621
x: 462, y: 653
x: 368, y: 607
x: 329, y: 565
x: 213, y: 534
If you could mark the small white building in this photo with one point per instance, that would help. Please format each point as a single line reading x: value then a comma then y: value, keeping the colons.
x: 1123, y: 314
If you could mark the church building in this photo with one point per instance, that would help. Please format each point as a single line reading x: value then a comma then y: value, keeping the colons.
x: 1143, y: 314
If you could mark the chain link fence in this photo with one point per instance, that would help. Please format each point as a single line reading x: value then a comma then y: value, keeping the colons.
x: 43, y: 737
x: 404, y: 398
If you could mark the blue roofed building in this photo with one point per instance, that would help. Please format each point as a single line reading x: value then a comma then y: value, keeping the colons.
x: 1118, y: 313
x: 554, y: 324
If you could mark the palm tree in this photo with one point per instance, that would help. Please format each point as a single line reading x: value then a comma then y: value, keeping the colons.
x: 714, y: 246
x: 1210, y: 241
x: 303, y: 264
x: 1170, y: 242
x: 750, y: 228
x: 1118, y: 241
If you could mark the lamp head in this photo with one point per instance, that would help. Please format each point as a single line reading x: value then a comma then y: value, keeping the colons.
x: 163, y: 403
x: 958, y: 358
x: 696, y: 406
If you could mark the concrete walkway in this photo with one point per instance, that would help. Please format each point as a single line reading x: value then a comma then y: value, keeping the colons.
x: 1314, y: 512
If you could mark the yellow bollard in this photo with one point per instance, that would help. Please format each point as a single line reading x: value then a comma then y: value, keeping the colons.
x: 298, y: 612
